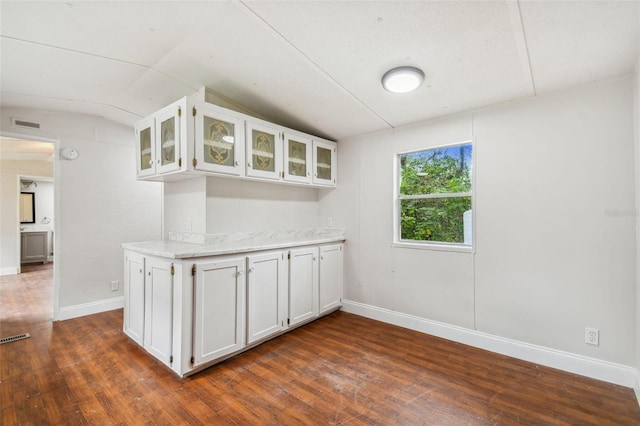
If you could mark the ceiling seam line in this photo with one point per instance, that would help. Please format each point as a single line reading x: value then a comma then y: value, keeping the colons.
x: 526, y: 48
x: 318, y: 67
x: 71, y: 100
x: 101, y: 57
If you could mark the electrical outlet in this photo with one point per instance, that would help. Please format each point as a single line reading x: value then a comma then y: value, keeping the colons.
x: 592, y: 336
x: 115, y: 285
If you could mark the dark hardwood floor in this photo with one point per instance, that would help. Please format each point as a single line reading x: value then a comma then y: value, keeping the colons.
x: 342, y: 369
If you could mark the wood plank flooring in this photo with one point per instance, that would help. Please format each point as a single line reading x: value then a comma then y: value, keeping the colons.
x: 342, y: 369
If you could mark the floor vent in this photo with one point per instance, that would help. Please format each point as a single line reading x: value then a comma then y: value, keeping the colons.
x: 14, y: 338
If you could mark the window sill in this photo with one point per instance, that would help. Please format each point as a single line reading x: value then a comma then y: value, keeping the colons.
x: 436, y: 247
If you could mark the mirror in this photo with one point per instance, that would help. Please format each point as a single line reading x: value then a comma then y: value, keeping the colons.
x: 27, y: 207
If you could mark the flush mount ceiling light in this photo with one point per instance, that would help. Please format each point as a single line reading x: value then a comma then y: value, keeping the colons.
x: 402, y: 79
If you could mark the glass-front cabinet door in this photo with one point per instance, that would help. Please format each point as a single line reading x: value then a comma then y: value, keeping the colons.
x: 264, y: 151
x: 324, y: 162
x: 145, y: 147
x: 168, y: 139
x: 297, y: 158
x: 219, y: 140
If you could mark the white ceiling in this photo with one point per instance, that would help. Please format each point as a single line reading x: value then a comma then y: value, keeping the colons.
x: 312, y: 65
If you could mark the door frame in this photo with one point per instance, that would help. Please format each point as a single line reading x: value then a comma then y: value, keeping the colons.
x: 56, y: 213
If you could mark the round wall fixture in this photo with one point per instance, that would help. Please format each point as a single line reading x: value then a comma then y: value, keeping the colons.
x: 69, y: 153
x: 402, y: 79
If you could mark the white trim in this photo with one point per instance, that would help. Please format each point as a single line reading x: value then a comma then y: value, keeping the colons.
x: 397, y: 198
x: 426, y: 245
x: 590, y: 367
x: 446, y: 145
x: 430, y: 196
x: 13, y: 270
x: 90, y: 308
x: 636, y: 387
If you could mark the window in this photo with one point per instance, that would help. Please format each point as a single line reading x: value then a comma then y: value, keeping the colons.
x: 434, y: 195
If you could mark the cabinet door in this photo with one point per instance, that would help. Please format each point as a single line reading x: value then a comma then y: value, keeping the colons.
x: 324, y: 162
x: 297, y: 158
x: 158, y: 313
x: 145, y: 147
x: 134, y: 297
x: 303, y: 284
x: 219, y: 140
x: 266, y: 295
x: 264, y: 151
x: 330, y: 277
x: 167, y: 136
x: 219, y: 301
x: 34, y: 247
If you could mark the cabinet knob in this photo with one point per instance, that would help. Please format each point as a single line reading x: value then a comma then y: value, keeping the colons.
x: 237, y: 163
x: 315, y: 174
x: 249, y: 164
x: 140, y: 270
x: 314, y: 258
x: 239, y: 273
x: 250, y: 269
x: 151, y: 162
x: 308, y: 173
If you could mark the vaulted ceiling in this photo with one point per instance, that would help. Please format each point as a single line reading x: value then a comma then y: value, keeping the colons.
x: 311, y: 65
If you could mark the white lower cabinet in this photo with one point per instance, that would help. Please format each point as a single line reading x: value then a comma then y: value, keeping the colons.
x: 331, y: 258
x: 303, y: 285
x: 134, y: 297
x: 218, y: 304
x: 266, y: 295
x: 158, y: 309
x: 191, y: 313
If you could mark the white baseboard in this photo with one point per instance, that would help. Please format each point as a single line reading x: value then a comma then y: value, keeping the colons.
x: 9, y: 271
x: 590, y: 367
x: 636, y: 387
x: 90, y: 308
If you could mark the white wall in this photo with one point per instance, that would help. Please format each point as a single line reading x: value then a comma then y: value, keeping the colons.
x: 242, y: 206
x: 99, y: 203
x: 10, y: 170
x: 219, y: 205
x: 555, y: 244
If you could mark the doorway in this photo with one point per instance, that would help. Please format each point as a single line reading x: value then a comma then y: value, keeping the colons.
x: 28, y: 213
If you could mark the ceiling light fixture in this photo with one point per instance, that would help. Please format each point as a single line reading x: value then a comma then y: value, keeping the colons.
x: 402, y: 79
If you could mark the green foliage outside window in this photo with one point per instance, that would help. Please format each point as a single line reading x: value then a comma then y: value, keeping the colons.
x: 435, y: 192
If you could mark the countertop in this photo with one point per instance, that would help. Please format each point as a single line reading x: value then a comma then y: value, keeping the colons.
x: 181, y: 245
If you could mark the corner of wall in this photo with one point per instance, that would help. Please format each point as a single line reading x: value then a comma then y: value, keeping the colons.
x: 636, y: 106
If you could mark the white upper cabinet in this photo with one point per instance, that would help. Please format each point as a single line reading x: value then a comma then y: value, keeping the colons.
x: 168, y: 154
x: 297, y: 158
x: 324, y: 162
x: 161, y: 141
x: 219, y: 140
x: 193, y: 137
x: 264, y: 150
x: 145, y: 147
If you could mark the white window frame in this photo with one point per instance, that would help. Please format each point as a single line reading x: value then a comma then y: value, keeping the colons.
x: 433, y: 245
